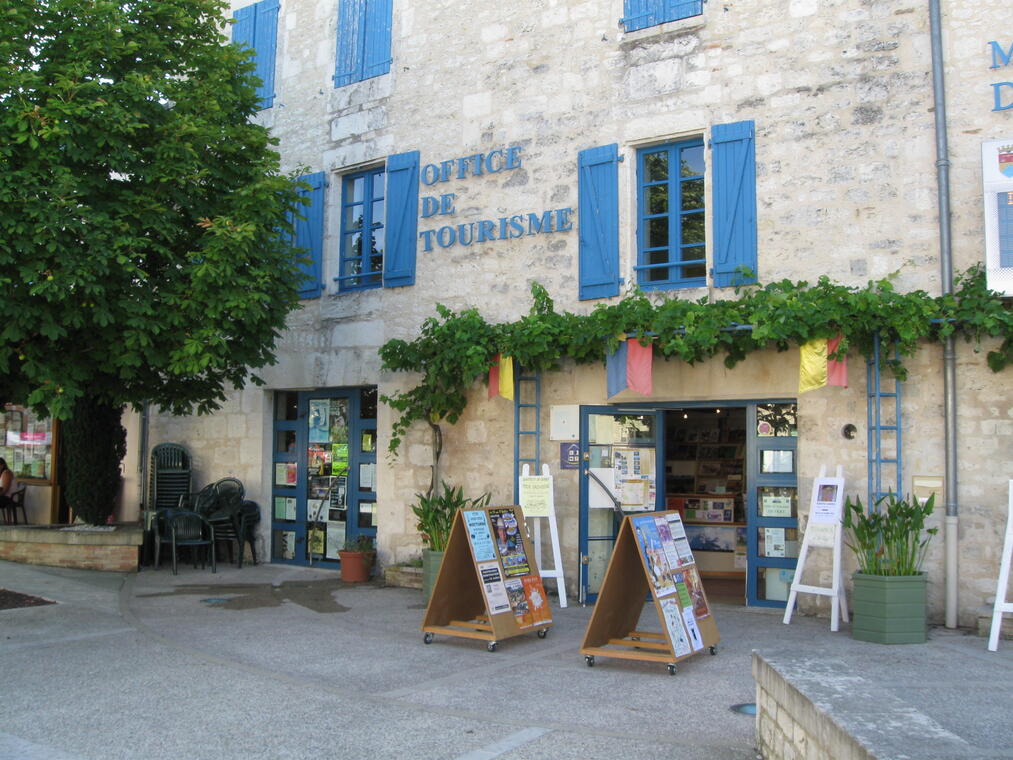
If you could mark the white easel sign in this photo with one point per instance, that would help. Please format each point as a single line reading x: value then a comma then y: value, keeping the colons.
x: 536, y: 500
x: 824, y: 531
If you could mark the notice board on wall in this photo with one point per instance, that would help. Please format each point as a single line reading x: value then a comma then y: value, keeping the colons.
x: 488, y: 587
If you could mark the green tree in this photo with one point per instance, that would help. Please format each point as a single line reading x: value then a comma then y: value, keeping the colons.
x: 144, y: 254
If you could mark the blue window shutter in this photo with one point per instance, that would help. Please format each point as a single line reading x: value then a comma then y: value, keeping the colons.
x: 351, y: 30
x: 640, y: 14
x: 244, y: 26
x: 402, y: 219
x: 598, y: 218
x: 376, y: 56
x: 734, y: 183
x: 265, y: 42
x: 309, y: 234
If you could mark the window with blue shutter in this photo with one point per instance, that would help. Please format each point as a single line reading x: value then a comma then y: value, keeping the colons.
x: 733, y: 172
x: 256, y: 27
x: 308, y: 224
x: 598, y: 218
x: 640, y: 14
x: 364, y: 36
x: 671, y: 226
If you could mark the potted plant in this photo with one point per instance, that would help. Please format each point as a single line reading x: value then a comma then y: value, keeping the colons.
x: 435, y: 514
x: 357, y: 559
x: 890, y: 590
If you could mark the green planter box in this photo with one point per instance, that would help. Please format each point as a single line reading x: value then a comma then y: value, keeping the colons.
x: 430, y: 569
x: 890, y: 609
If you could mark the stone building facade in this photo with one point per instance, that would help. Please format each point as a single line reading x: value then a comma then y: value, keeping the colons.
x: 837, y: 99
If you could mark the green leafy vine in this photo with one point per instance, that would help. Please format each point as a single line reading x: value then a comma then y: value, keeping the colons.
x: 454, y: 349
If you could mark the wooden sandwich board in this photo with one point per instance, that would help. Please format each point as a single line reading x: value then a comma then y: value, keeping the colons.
x: 651, y: 554
x: 488, y: 587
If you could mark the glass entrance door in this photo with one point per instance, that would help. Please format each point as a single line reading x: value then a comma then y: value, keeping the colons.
x: 323, y: 473
x: 619, y: 474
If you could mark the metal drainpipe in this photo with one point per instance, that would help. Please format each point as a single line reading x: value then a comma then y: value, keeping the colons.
x: 949, y: 354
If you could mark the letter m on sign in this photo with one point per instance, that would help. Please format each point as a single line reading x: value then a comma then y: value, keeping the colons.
x: 1000, y: 57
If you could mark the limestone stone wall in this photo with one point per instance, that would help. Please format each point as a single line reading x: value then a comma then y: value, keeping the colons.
x: 840, y: 92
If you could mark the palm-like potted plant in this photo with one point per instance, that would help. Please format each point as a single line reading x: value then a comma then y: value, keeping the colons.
x: 435, y: 514
x: 890, y: 594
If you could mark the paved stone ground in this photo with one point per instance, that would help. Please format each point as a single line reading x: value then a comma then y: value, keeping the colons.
x: 279, y: 662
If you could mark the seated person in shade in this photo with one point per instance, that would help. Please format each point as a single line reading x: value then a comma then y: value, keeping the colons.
x: 8, y: 484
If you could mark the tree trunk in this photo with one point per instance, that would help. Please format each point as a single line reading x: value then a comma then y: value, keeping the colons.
x: 94, y: 444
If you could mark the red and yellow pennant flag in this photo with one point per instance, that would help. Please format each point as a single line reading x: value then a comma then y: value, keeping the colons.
x: 815, y: 370
x: 501, y: 377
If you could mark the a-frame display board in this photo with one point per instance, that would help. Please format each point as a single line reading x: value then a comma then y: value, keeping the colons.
x: 488, y: 587
x: 651, y: 554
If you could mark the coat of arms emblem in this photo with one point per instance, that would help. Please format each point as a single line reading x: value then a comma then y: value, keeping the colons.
x: 1006, y: 160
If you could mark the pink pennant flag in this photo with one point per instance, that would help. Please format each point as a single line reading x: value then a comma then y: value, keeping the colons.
x: 639, y: 367
x: 837, y: 371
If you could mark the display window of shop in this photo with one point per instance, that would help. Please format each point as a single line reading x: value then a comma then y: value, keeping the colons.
x: 323, y: 473
x: 29, y: 445
x: 730, y: 470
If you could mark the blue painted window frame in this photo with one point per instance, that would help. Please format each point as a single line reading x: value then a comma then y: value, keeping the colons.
x: 362, y: 270
x: 641, y: 14
x: 663, y: 266
x: 256, y: 27
x: 364, y: 40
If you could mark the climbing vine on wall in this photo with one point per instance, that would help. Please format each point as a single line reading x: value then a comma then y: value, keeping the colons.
x: 454, y: 349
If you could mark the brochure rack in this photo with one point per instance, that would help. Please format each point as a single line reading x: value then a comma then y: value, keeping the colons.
x: 651, y: 554
x: 488, y: 587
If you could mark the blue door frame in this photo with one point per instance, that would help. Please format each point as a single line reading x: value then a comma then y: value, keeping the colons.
x: 756, y: 479
x: 350, y: 500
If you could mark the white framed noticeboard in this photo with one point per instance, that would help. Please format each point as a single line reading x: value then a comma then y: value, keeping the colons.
x: 827, y: 500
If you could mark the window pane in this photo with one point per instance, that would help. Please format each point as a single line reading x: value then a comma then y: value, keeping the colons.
x: 694, y: 271
x: 367, y: 403
x: 776, y: 420
x: 353, y: 218
x: 286, y: 406
x: 355, y: 249
x: 657, y: 257
x: 285, y: 442
x: 656, y: 166
x: 693, y: 229
x: 777, y: 542
x: 378, y: 244
x: 377, y: 212
x: 657, y: 232
x: 657, y: 199
x: 692, y: 194
x: 358, y: 189
x: 772, y: 461
x: 692, y: 254
x: 378, y: 184
x: 692, y: 161
x: 773, y: 583
x: 777, y: 502
x: 367, y: 514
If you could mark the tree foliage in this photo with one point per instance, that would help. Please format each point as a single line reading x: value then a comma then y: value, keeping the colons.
x: 143, y: 254
x: 455, y: 350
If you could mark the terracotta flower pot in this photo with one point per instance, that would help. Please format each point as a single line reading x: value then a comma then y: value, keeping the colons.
x: 355, y: 566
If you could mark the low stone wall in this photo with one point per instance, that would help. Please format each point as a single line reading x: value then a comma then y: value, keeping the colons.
x: 116, y: 550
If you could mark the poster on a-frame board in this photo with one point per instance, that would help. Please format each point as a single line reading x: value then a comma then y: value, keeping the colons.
x: 488, y: 587
x: 651, y: 555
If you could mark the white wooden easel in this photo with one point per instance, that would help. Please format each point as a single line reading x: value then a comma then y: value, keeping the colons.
x: 1002, y: 586
x: 823, y: 531
x: 534, y: 513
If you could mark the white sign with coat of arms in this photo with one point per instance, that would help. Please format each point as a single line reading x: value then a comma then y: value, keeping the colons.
x: 997, y: 182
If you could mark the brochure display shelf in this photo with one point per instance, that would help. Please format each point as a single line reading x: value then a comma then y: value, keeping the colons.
x: 651, y: 554
x: 488, y: 587
x: 717, y: 531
